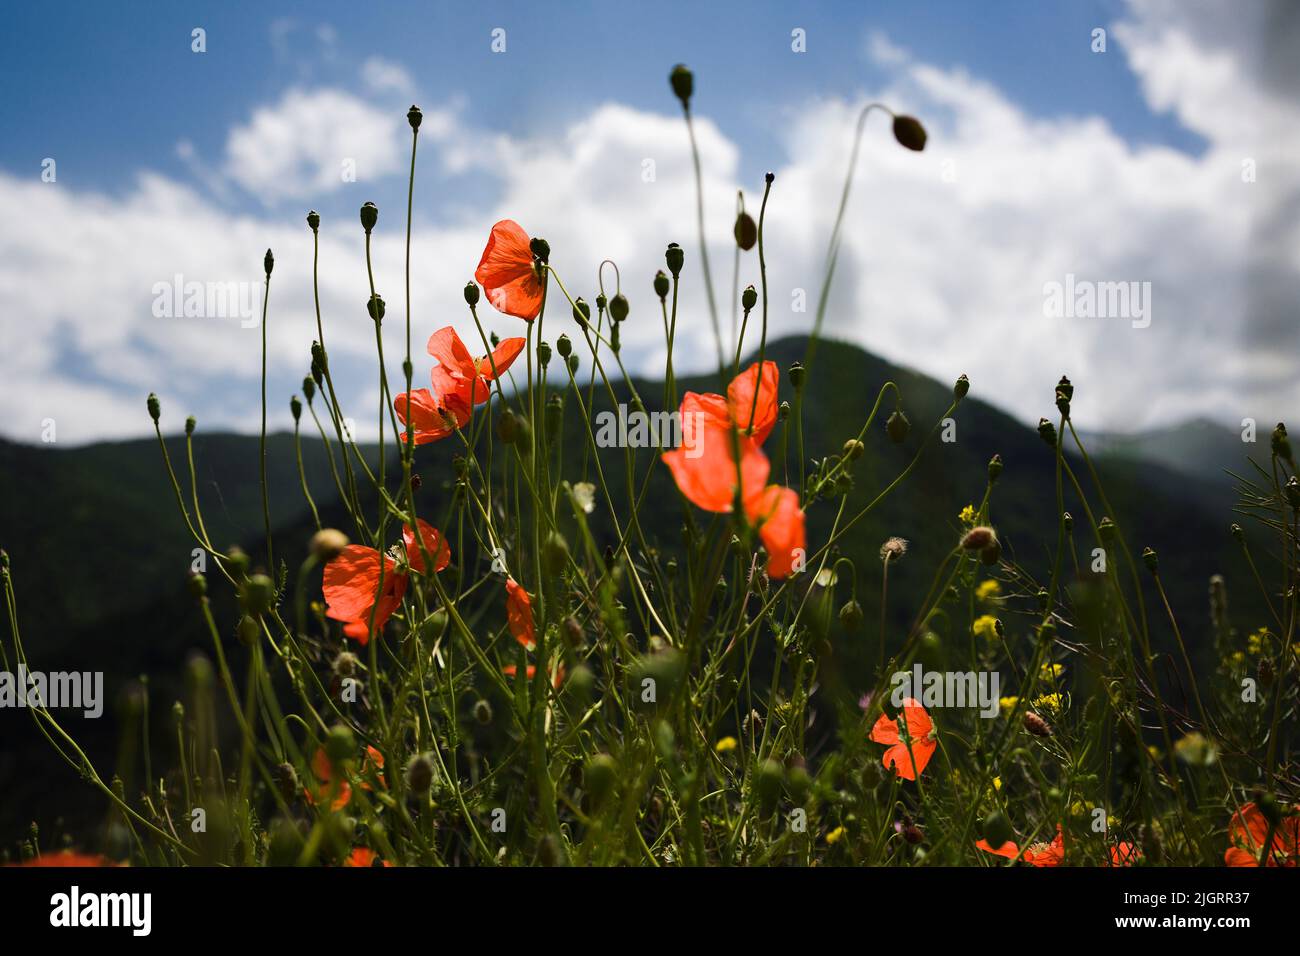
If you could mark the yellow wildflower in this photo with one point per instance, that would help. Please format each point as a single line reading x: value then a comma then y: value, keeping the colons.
x: 967, y: 515
x: 1051, y: 671
x: 1008, y: 704
x: 987, y: 590
x: 725, y: 745
x: 986, y: 626
x: 1047, y: 702
x: 835, y: 836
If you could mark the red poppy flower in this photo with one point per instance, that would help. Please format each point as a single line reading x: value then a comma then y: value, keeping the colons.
x: 704, y: 467
x: 920, y: 731
x: 364, y: 856
x: 519, y: 614
x: 373, y: 765
x: 779, y: 518
x: 1248, y: 832
x: 1124, y: 854
x: 1046, y: 854
x: 1009, y: 849
x: 351, y: 581
x: 510, y: 670
x: 743, y: 408
x: 331, y: 788
x: 507, y: 272
x: 459, y: 373
x: 67, y: 858
x: 435, y: 417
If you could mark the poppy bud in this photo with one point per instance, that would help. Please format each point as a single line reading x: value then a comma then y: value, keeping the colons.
x: 798, y: 374
x: 1036, y: 725
x: 613, y: 337
x: 1063, y: 404
x: 1047, y: 432
x: 853, y: 449
x: 683, y: 84
x: 909, y: 132
x: 979, y: 538
x: 783, y: 411
x: 997, y: 829
x: 769, y: 177
x: 745, y: 231
x: 509, y: 427
x: 675, y: 258
x: 1150, y: 559
x: 295, y: 409
x: 618, y: 307
x: 248, y: 631
x: 661, y: 285
x: 797, y: 780
x: 599, y: 776
x: 544, y: 354
x: 471, y: 294
x: 419, y: 774
x: 1067, y: 521
x: 768, y: 778
x: 897, y: 426
x: 582, y: 311
x: 197, y: 584
x: 1281, y: 444
x: 564, y: 346
x: 1064, y: 387
x: 327, y: 544
x: 413, y: 116
x: 154, y: 408
x: 190, y: 424
x: 483, y: 712
x: 554, y: 416
x: 268, y: 262
x: 313, y: 220
x: 995, y: 468
x: 375, y: 307
x: 541, y: 249
x: 573, y: 364
x: 601, y: 303
x: 1238, y: 533
x: 1107, y: 530
x: 851, y: 615
x: 749, y: 298
x: 308, y: 389
x: 369, y: 216
x: 962, y: 386
x: 238, y: 559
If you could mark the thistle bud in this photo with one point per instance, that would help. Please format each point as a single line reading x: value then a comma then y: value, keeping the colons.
x: 749, y: 298
x: 376, y: 308
x: 414, y: 116
x: 471, y: 294
x: 419, y: 774
x: 683, y: 83
x: 313, y: 220
x: 897, y: 426
x: 995, y: 468
x: 991, y: 554
x: 618, y: 307
x: 745, y: 231
x: 369, y: 216
x: 909, y: 132
x: 1036, y: 725
x: 268, y: 262
x: 662, y: 285
x: 978, y: 538
x: 154, y: 408
x: 675, y: 258
x: 582, y: 312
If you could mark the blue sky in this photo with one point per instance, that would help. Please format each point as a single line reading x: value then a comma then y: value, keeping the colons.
x: 1046, y: 160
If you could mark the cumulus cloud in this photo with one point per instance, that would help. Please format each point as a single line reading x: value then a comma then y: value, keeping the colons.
x: 944, y: 262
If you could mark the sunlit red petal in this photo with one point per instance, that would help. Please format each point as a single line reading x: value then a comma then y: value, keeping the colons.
x: 519, y: 614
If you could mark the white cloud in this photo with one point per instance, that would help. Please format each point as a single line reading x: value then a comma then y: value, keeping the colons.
x: 946, y: 276
x: 385, y: 76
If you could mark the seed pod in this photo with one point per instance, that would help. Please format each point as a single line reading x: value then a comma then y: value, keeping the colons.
x: 995, y: 468
x: 599, y: 776
x: 257, y: 594
x: 154, y: 408
x: 683, y: 83
x: 851, y: 615
x: 340, y: 745
x: 471, y: 294
x: 853, y: 449
x: 1047, y: 432
x: 662, y: 285
x: 618, y: 307
x: 413, y: 116
x: 268, y: 262
x: 582, y: 312
x: 313, y: 220
x: 960, y: 389
x: 419, y: 774
x: 369, y: 216
x: 675, y: 258
x: 749, y: 298
x: 327, y: 544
